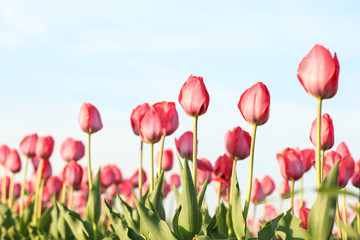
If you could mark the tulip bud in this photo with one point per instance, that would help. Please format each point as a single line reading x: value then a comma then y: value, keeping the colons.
x: 89, y: 118
x: 184, y: 145
x: 72, y: 174
x: 223, y: 167
x: 4, y: 152
x: 150, y: 127
x: 267, y: 185
x: 168, y: 116
x: 356, y: 176
x: 346, y: 166
x: 107, y: 176
x: 254, y: 104
x: 342, y: 149
x: 194, y: 97
x: 318, y: 73
x: 44, y: 147
x: 307, y: 157
x: 327, y: 132
x: 13, y: 161
x: 291, y: 166
x: 270, y: 212
x: 167, y: 159
x: 284, y: 188
x: 47, y: 170
x: 175, y: 180
x: 72, y: 150
x: 202, y: 176
x: 28, y: 144
x: 304, y: 214
x: 117, y: 173
x: 135, y: 178
x: 257, y: 194
x: 136, y: 114
x: 53, y: 186
x: 17, y: 190
x: 125, y: 188
x: 204, y: 164
x: 237, y: 144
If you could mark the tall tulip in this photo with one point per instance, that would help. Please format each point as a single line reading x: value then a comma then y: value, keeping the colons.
x: 72, y: 150
x: 13, y: 163
x: 342, y: 149
x: 72, y: 176
x: 267, y: 185
x: 107, y: 176
x: 194, y: 99
x: 168, y: 158
x: 222, y: 172
x: 184, y: 145
x: 346, y: 166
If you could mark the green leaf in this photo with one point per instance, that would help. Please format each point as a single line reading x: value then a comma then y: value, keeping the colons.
x: 268, y: 231
x: 177, y: 196
x: 322, y: 214
x: 93, y: 206
x: 156, y: 196
x: 6, y: 219
x: 45, y: 220
x: 175, y: 221
x: 53, y: 230
x: 221, y: 219
x: 127, y: 212
x: 201, y: 195
x: 202, y: 238
x: 350, y: 232
x: 237, y: 217
x: 289, y: 227
x: 157, y: 227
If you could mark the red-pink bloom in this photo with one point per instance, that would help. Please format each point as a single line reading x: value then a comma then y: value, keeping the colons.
x: 237, y: 143
x: 107, y: 176
x: 307, y: 157
x: 342, y: 149
x: 202, y: 176
x: 194, y: 97
x: 225, y: 188
x: 167, y: 159
x: 327, y: 132
x: 47, y: 169
x: 175, y: 180
x: 346, y: 166
x: 35, y: 162
x: 136, y: 114
x: 72, y: 150
x: 4, y: 152
x: 204, y: 164
x: 297, y: 205
x: 356, y: 175
x: 117, y: 173
x: 184, y: 145
x: 254, y: 104
x: 89, y: 118
x: 167, y: 189
x: 13, y: 161
x: 53, y: 186
x: 150, y: 127
x: 257, y: 194
x: 267, y: 184
x: 79, y: 201
x: 291, y: 166
x: 168, y: 116
x: 270, y: 212
x: 318, y: 73
x: 28, y: 144
x: 284, y: 188
x: 44, y: 147
x: 17, y: 190
x: 223, y: 168
x: 135, y: 178
x: 304, y: 214
x: 72, y: 174
x: 112, y: 190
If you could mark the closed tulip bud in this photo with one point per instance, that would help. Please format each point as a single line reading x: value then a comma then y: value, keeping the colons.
x: 346, y: 166
x: 327, y: 132
x: 89, y: 118
x: 304, y: 214
x: 284, y: 188
x: 204, y: 164
x: 291, y: 166
x: 267, y: 185
x: 47, y: 170
x: 107, y: 176
x: 270, y: 212
x: 342, y: 149
x: 204, y: 171
x: 117, y: 173
x: 168, y: 116
x: 184, y: 145
x: 237, y: 144
x: 254, y: 104
x: 17, y: 190
x: 355, y: 180
x: 307, y: 157
x: 125, y: 188
x: 4, y: 152
x: 44, y: 147
x: 194, y: 97
x: 318, y: 73
x: 72, y: 174
x: 257, y: 194
x: 150, y: 127
x: 175, y: 180
x: 136, y: 114
x: 72, y: 150
x: 167, y: 159
x: 53, y: 186
x: 223, y: 167
x: 13, y: 161
x: 28, y: 144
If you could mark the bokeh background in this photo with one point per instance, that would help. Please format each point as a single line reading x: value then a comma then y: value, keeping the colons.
x: 55, y: 55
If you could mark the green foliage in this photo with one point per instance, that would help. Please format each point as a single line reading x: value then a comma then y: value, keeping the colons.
x: 237, y: 217
x: 289, y: 227
x: 93, y: 206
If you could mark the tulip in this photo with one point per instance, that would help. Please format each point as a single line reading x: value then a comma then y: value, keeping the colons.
x: 53, y: 186
x: 167, y: 189
x: 167, y: 162
x: 117, y: 173
x: 267, y: 185
x: 284, y: 188
x: 125, y: 188
x: 4, y: 152
x: 13, y: 163
x: 342, y: 149
x: 203, y: 175
x: 270, y: 212
x: 44, y: 147
x: 327, y: 132
x: 72, y: 150
x: 168, y: 116
x: 223, y: 167
x: 184, y: 145
x: 135, y: 178
x: 89, y: 118
x: 237, y: 144
x: 17, y: 189
x: 291, y: 166
x: 150, y: 127
x: 304, y: 214
x: 136, y: 114
x: 346, y: 166
x: 257, y: 194
x: 72, y: 174
x: 175, y: 180
x: 107, y: 176
x: 355, y: 180
x: 112, y: 190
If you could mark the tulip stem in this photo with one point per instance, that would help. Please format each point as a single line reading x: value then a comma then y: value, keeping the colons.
x: 301, y: 192
x: 161, y: 154
x: 232, y: 181
x: 358, y: 215
x: 218, y: 197
x: 195, y: 150
x: 11, y: 191
x: 318, y: 144
x: 251, y: 163
x: 89, y: 163
x: 322, y: 154
x: 338, y: 218
x: 344, y: 208
x: 37, y: 189
x: 21, y: 211
x: 95, y: 231
x: 70, y: 197
x: 3, y: 190
x: 63, y: 193
x: 42, y: 183
x: 292, y: 196
x: 140, y: 170
x: 253, y: 219
x: 152, y: 167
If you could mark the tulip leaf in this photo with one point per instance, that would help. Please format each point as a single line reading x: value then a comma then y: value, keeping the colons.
x: 177, y: 196
x: 156, y: 196
x: 175, y: 221
x: 158, y: 228
x: 53, y: 230
x: 322, y: 214
x: 350, y: 232
x: 221, y: 219
x: 6, y: 220
x: 237, y: 217
x: 127, y: 212
x: 93, y: 206
x: 45, y: 219
x: 268, y: 231
x: 201, y: 194
x: 289, y: 227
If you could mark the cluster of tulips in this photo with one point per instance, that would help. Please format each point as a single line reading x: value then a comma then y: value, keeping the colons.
x: 76, y: 205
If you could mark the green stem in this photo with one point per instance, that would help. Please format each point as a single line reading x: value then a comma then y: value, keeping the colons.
x: 11, y: 191
x: 344, y: 208
x: 89, y: 163
x: 338, y: 219
x: 161, y: 153
x: 63, y: 193
x: 301, y: 192
x: 318, y: 144
x: 358, y: 215
x: 253, y: 219
x: 292, y: 195
x: 3, y: 190
x: 232, y: 181
x: 37, y: 190
x: 218, y: 197
x: 140, y: 170
x: 195, y: 150
x: 21, y: 211
x: 70, y: 197
x: 42, y: 183
x: 251, y: 167
x: 322, y: 154
x: 95, y: 231
x: 152, y: 167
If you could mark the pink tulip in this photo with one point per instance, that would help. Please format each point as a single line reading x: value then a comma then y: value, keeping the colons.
x: 125, y: 188
x: 28, y: 144
x: 318, y: 73
x: 284, y: 188
x: 223, y: 168
x: 254, y: 104
x: 304, y: 214
x: 89, y: 118
x: 175, y: 180
x: 270, y: 212
x: 346, y: 166
x: 307, y: 157
x: 72, y: 150
x: 47, y: 170
x: 73, y: 174
x: 168, y: 116
x: 167, y: 160
x: 35, y: 162
x: 194, y: 97
x: 13, y: 161
x: 327, y: 132
x: 257, y: 194
x: 297, y: 205
x: 112, y: 190
x: 150, y: 127
x: 4, y: 152
x: 135, y: 178
x: 17, y: 189
x: 342, y: 149
x: 204, y: 164
x: 44, y: 147
x: 107, y: 176
x: 355, y: 180
x: 291, y: 166
x: 202, y: 176
x: 117, y: 173
x: 53, y: 186
x: 184, y: 145
x: 267, y: 184
x: 237, y: 144
x: 136, y: 114
x: 167, y: 189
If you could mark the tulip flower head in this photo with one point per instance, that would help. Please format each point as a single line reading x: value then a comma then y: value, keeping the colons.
x: 150, y: 127
x: 117, y: 173
x: 184, y: 145
x: 73, y: 174
x: 135, y: 178
x: 44, y: 147
x: 53, y: 186
x: 267, y: 185
x: 28, y: 144
x: 346, y: 166
x: 4, y: 152
x: 107, y: 176
x: 72, y: 150
x: 355, y: 180
x: 257, y: 194
x: 291, y: 166
x: 47, y: 169
x: 167, y: 161
x: 175, y: 180
x: 237, y: 144
x: 270, y: 212
x: 342, y: 149
x: 168, y: 116
x: 307, y: 157
x: 284, y: 188
x: 89, y: 118
x: 327, y: 132
x: 304, y: 214
x: 136, y: 114
x: 223, y: 167
x: 13, y: 161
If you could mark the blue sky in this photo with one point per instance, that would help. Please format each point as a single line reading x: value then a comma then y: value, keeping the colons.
x: 55, y: 55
